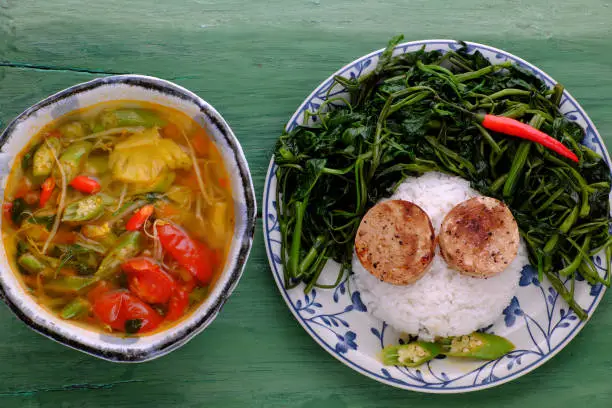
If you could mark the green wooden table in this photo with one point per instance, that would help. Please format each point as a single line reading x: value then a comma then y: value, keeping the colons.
x: 255, y: 61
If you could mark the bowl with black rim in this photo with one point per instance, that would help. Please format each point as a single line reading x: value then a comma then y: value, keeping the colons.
x: 146, y: 89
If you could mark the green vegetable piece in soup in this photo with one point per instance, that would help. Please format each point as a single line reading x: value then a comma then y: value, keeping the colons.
x: 44, y: 160
x: 198, y: 295
x: 28, y: 159
x: 129, y: 245
x: 73, y: 158
x: 410, y: 355
x: 108, y: 200
x: 79, y: 307
x: 101, y: 233
x: 133, y: 325
x: 130, y: 117
x: 19, y: 211
x: 164, y: 183
x: 66, y: 285
x: 85, y: 209
x: 96, y: 165
x: 44, y: 220
x: 74, y: 130
x: 31, y: 264
x: 160, y: 185
x: 34, y: 231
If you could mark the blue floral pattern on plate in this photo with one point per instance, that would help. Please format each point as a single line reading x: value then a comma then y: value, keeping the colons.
x: 537, y: 320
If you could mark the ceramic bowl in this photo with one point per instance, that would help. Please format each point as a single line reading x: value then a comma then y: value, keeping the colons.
x: 138, y: 88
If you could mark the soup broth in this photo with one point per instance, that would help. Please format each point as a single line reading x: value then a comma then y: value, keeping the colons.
x: 119, y: 216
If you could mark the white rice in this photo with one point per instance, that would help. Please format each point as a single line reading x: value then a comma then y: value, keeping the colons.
x: 444, y: 302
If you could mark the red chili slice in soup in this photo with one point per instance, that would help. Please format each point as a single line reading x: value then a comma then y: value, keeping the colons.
x: 192, y: 255
x: 148, y: 280
x: 46, y: 191
x: 125, y: 312
x: 139, y: 218
x: 85, y: 184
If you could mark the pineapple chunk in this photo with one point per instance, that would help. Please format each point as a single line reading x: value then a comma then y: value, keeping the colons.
x: 143, y: 157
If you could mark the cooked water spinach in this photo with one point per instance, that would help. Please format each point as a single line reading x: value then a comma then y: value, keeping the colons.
x: 421, y: 112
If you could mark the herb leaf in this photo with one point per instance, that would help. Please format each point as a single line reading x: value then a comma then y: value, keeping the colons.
x: 133, y: 325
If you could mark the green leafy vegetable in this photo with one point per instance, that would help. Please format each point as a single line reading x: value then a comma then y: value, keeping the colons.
x: 133, y: 325
x: 84, y: 259
x: 20, y: 211
x: 28, y: 158
x: 44, y: 220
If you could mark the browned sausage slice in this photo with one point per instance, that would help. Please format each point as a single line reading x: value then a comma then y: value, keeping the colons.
x: 479, y: 237
x: 395, y: 242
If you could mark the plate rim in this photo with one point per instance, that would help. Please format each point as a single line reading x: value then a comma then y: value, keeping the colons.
x: 348, y: 362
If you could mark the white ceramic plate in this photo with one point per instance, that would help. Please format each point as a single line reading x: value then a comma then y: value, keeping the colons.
x: 538, y: 321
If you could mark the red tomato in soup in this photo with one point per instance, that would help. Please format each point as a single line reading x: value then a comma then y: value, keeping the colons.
x: 192, y: 255
x: 178, y: 304
x: 148, y: 280
x: 125, y: 312
x: 98, y: 290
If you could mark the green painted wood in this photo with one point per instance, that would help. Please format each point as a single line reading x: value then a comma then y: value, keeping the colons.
x: 255, y: 62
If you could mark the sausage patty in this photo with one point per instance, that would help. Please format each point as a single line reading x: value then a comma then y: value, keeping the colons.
x: 395, y: 242
x: 479, y: 237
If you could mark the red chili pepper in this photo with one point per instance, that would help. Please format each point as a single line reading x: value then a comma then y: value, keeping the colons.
x: 125, y: 312
x: 85, y: 185
x: 192, y: 255
x: 148, y: 280
x: 46, y: 191
x: 137, y: 220
x: 513, y: 127
x: 179, y: 301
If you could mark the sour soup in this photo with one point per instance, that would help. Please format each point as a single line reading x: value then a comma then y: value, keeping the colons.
x: 119, y: 216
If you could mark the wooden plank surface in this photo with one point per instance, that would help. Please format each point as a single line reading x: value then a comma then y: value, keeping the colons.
x: 255, y: 62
